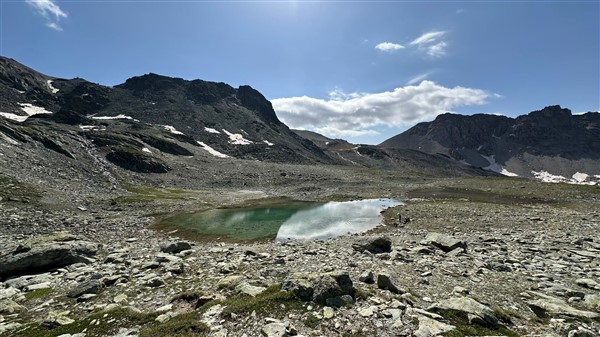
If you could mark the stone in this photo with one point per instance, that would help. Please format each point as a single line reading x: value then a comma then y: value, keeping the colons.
x: 592, y: 301
x: 8, y: 327
x: 587, y: 283
x: 367, y: 312
x: 247, y: 289
x: 9, y: 307
x: 175, y: 247
x: 230, y: 282
x: 429, y: 327
x: 274, y: 329
x: 155, y: 282
x: 376, y: 246
x: 46, y: 256
x: 121, y: 298
x: 444, y: 242
x: 581, y: 332
x: 367, y: 277
x: 386, y: 282
x: 8, y: 292
x: 548, y: 306
x: 166, y: 316
x: 479, y: 313
x: 86, y: 287
x: 340, y: 301
x: 328, y: 313
x: 320, y: 287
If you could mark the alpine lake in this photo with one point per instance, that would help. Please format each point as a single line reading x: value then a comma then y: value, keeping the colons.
x: 279, y: 221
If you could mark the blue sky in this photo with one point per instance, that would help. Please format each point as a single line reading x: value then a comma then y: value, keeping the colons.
x: 363, y: 71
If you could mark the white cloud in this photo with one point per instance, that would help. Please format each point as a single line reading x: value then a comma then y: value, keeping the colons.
x: 431, y: 43
x: 50, y: 10
x: 418, y: 78
x: 358, y: 113
x: 389, y: 46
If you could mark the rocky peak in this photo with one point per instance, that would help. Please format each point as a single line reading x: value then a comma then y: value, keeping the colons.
x: 254, y: 100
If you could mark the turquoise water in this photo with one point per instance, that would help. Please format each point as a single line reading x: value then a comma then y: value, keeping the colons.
x: 283, y: 222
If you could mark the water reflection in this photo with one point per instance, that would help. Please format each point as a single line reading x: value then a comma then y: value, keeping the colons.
x: 334, y: 219
x: 282, y: 221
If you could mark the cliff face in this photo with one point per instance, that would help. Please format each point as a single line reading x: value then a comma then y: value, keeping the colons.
x: 552, y: 140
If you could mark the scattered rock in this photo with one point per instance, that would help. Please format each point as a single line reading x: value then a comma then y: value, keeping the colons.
x: 175, y: 247
x: 386, y: 282
x: 444, y: 242
x: 367, y: 277
x: 549, y: 306
x: 476, y: 312
x: 87, y: 287
x: 376, y: 246
x: 429, y: 327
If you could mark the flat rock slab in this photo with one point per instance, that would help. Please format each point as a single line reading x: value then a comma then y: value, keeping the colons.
x: 375, y: 246
x: 469, y: 307
x: 45, y: 256
x: 549, y: 306
x: 444, y: 242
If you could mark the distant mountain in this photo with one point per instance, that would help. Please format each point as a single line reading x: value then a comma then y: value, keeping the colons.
x: 159, y: 124
x: 550, y: 143
x: 236, y: 122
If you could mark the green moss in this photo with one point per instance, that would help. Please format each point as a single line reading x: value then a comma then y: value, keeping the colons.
x: 14, y: 190
x: 364, y: 293
x: 311, y: 321
x: 463, y: 328
x: 273, y: 302
x: 39, y: 293
x: 109, y: 322
x: 184, y: 325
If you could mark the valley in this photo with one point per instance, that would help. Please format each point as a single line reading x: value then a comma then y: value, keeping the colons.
x: 85, y: 185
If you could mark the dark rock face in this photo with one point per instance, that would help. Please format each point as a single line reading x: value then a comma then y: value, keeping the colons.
x: 86, y: 287
x: 45, y: 256
x: 375, y: 246
x: 254, y: 100
x: 551, y: 139
x: 133, y: 160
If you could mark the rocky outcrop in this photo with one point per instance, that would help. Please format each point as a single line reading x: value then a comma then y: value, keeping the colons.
x: 444, y: 242
x: 133, y: 160
x: 325, y: 288
x: 474, y: 311
x: 40, y: 257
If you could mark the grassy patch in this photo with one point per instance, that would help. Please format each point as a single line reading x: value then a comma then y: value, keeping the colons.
x: 272, y: 302
x: 505, y: 315
x: 39, y: 293
x: 311, y: 321
x: 109, y: 322
x: 184, y: 325
x: 463, y: 328
x: 13, y: 190
x: 148, y: 193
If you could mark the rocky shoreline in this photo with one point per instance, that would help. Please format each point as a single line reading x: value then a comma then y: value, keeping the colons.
x: 458, y: 268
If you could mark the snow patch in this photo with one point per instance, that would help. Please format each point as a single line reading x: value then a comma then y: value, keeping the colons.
x: 580, y: 177
x: 87, y: 127
x: 237, y: 139
x: 147, y: 150
x: 268, y: 143
x: 172, y: 130
x: 211, y: 130
x: 577, y: 178
x: 494, y: 166
x: 121, y: 116
x: 13, y: 117
x: 54, y: 90
x: 212, y: 151
x: 31, y: 109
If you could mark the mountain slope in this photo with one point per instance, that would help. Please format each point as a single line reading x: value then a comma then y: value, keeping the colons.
x: 548, y: 142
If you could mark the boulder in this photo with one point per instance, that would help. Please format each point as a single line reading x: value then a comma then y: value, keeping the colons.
x: 320, y: 287
x: 175, y: 247
x: 376, y: 246
x: 86, y: 287
x: 548, y: 306
x: 476, y: 312
x: 429, y: 327
x: 387, y: 282
x: 444, y: 242
x: 44, y: 256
